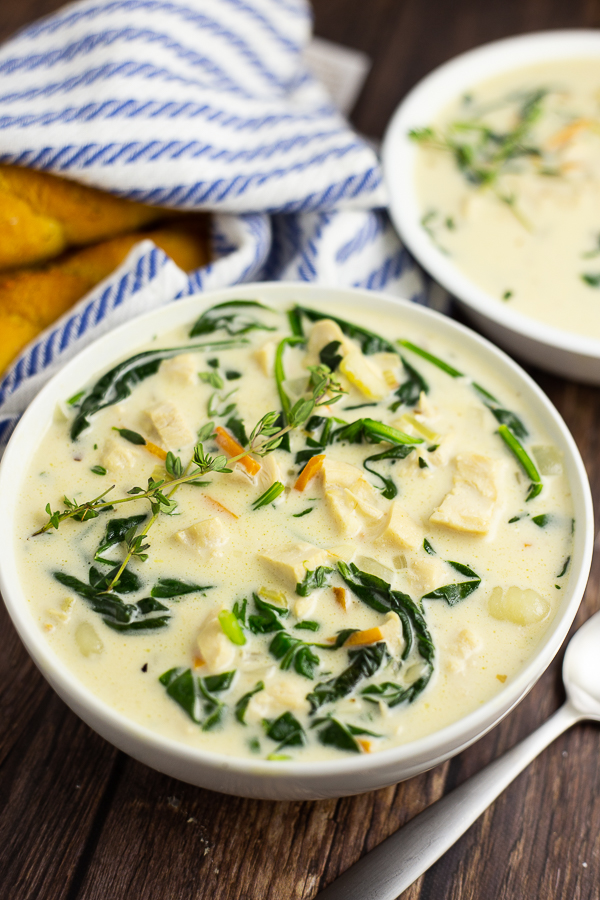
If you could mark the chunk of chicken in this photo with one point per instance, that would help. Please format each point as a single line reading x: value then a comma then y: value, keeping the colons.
x: 216, y: 649
x: 116, y: 456
x: 400, y: 529
x: 182, y: 368
x: 265, y: 357
x: 208, y: 536
x: 292, y: 562
x: 269, y: 472
x: 471, y: 503
x: 391, y: 630
x: 276, y: 699
x: 351, y: 500
x: 426, y: 574
x: 171, y: 426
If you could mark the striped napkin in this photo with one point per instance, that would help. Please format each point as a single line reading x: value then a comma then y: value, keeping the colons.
x: 194, y: 105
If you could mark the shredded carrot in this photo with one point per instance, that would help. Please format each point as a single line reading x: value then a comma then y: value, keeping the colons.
x: 564, y: 135
x: 229, y: 444
x: 198, y: 662
x: 156, y: 450
x: 220, y: 506
x: 309, y: 471
x: 340, y: 596
x: 366, y: 745
x: 370, y: 636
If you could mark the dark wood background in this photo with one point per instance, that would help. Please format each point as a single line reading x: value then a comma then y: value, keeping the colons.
x: 81, y: 821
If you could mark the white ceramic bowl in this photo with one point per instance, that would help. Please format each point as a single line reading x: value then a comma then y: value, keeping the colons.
x: 564, y: 353
x: 261, y: 778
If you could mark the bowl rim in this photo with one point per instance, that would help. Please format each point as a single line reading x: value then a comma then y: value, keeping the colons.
x: 107, y: 350
x: 420, y: 106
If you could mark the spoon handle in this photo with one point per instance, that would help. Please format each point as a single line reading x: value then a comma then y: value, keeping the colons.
x: 398, y: 861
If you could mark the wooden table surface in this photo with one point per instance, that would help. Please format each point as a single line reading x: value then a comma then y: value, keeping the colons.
x: 81, y: 821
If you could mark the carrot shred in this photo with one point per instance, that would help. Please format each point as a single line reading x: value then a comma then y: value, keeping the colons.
x: 156, y: 450
x: 309, y: 471
x: 564, y: 135
x: 198, y: 662
x: 229, y: 444
x: 366, y: 745
x: 340, y: 596
x: 370, y: 636
x: 220, y: 506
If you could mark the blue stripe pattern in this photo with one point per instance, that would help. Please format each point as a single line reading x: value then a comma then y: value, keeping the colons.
x: 197, y: 105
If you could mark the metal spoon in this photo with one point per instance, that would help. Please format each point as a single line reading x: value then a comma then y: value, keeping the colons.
x: 398, y: 861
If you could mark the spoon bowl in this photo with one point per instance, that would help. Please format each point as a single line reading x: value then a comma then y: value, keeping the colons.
x: 581, y: 669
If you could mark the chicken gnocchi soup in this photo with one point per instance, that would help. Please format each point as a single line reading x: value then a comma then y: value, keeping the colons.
x: 289, y: 535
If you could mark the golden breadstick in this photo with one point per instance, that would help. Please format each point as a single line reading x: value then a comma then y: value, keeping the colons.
x: 31, y: 299
x: 42, y: 215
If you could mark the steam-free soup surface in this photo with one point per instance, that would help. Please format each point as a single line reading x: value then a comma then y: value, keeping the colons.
x: 394, y: 585
x: 509, y: 182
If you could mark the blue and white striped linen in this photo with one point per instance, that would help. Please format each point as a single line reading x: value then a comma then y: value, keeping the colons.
x: 196, y: 105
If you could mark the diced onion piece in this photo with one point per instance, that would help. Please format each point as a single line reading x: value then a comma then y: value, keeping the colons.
x: 549, y: 459
x: 365, y: 376
x: 374, y: 567
x: 523, y: 607
x: 87, y: 639
x: 420, y: 427
x: 229, y: 445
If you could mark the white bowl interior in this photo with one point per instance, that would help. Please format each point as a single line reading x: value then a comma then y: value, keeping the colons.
x: 419, y: 108
x: 260, y: 778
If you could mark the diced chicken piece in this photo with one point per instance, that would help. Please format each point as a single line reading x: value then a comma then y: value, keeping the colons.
x: 268, y: 473
x: 364, y: 375
x: 443, y: 454
x: 471, y: 503
x: 427, y: 574
x: 216, y: 649
x: 276, y: 699
x: 425, y: 407
x: 208, y: 536
x: 171, y: 426
x: 117, y: 456
x: 182, y: 368
x: 265, y: 357
x: 322, y: 333
x: 292, y: 562
x: 467, y: 643
x: 400, y: 529
x: 391, y: 630
x: 342, y: 505
x: 340, y: 474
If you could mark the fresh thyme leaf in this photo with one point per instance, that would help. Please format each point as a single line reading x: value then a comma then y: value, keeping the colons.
x: 232, y: 316
x: 132, y: 436
x: 591, y: 279
x: 271, y: 494
x: 116, y: 530
x: 213, y: 378
x: 98, y: 470
x: 128, y: 582
x: 313, y: 580
x: 117, y: 384
x: 428, y: 548
x: 173, y: 587
x: 242, y: 705
x: 507, y: 295
x: 304, y: 512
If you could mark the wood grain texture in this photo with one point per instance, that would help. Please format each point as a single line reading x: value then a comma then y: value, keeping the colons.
x: 81, y: 821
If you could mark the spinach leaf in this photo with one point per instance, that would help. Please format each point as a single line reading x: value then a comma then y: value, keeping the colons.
x: 368, y: 340
x: 286, y: 730
x: 132, y: 436
x: 313, y: 579
x: 119, y: 381
x: 242, y: 705
x: 410, y: 390
x: 268, y: 618
x: 329, y: 355
x: 128, y: 582
x: 115, y: 532
x: 454, y: 593
x: 304, y: 512
x: 563, y: 571
x: 393, y: 694
x: 172, y: 587
x: 542, y: 520
x: 335, y: 734
x: 120, y: 616
x: 373, y: 432
x: 525, y: 460
x: 389, y: 489
x: 232, y: 317
x: 236, y: 427
x: 195, y: 695
x: 294, y: 651
x: 508, y: 418
x: 308, y: 625
x: 364, y: 662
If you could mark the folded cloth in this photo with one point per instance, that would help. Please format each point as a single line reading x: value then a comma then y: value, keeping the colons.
x: 204, y: 104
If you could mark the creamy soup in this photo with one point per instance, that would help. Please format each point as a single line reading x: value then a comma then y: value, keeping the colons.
x: 509, y: 183
x: 280, y: 534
